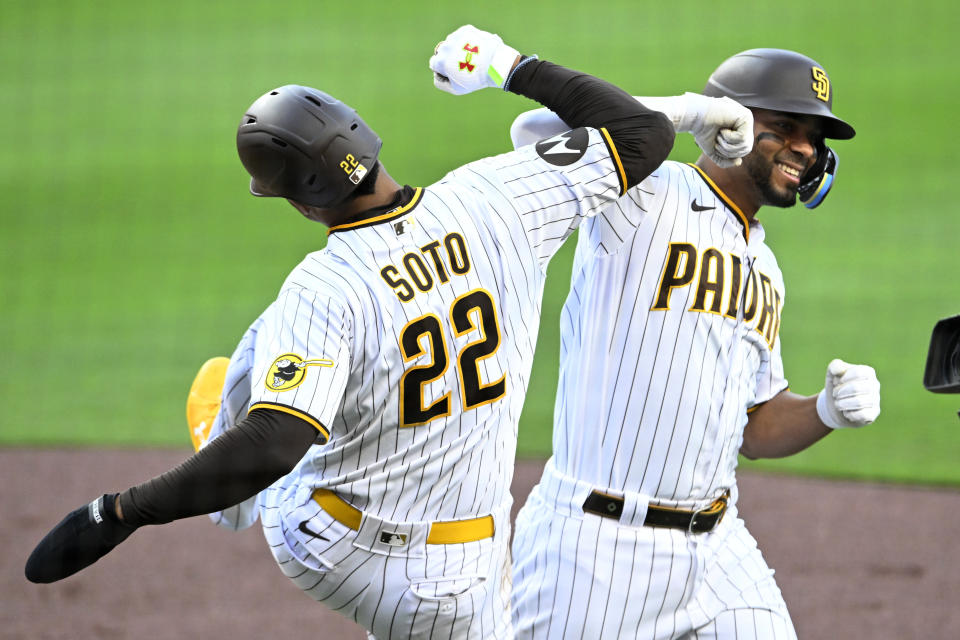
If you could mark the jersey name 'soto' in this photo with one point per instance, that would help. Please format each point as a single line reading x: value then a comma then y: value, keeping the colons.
x: 687, y: 377
x: 416, y: 364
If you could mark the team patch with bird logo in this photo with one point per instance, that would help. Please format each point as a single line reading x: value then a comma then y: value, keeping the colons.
x: 289, y: 370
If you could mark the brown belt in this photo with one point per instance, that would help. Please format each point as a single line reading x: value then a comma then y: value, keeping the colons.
x: 447, y: 532
x: 701, y: 521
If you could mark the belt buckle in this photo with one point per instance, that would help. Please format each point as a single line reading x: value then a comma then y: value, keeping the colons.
x: 693, y: 519
x: 720, y: 504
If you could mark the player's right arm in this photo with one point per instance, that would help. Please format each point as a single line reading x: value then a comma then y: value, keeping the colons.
x: 641, y: 137
x: 722, y: 127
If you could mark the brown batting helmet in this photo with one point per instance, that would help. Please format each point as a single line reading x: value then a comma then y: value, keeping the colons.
x: 305, y: 145
x: 779, y: 80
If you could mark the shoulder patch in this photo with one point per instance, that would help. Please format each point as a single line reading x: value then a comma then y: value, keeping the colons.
x: 565, y: 148
x: 289, y: 370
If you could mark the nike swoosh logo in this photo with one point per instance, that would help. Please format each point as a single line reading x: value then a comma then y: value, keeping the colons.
x: 697, y: 207
x: 310, y: 532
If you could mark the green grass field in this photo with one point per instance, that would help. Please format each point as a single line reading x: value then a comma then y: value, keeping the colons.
x: 130, y: 250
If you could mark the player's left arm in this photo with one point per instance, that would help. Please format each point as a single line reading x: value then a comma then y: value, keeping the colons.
x: 789, y: 423
x: 246, y: 459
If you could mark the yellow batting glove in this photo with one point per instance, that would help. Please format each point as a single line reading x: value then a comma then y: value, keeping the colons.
x: 203, y: 401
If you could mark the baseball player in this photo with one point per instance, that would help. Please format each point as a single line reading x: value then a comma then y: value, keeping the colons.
x: 369, y: 415
x: 670, y: 367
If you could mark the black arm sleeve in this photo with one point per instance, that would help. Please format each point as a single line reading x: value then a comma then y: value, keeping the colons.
x: 643, y: 137
x: 246, y: 459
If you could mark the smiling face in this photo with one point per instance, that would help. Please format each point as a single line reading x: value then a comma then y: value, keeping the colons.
x: 785, y: 148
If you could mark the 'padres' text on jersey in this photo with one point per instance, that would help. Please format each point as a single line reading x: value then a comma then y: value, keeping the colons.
x: 666, y: 419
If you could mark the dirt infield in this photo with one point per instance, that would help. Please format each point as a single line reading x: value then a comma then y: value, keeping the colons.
x: 859, y: 561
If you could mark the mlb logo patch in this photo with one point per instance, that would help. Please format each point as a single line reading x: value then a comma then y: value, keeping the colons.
x: 393, y: 538
x: 358, y: 174
x: 400, y: 227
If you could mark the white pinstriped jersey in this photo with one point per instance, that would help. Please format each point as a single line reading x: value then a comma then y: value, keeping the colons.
x: 669, y: 337
x: 408, y: 341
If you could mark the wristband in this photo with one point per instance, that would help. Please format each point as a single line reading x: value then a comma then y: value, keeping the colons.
x: 513, y: 72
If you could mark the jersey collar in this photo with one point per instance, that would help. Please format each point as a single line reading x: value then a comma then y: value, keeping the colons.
x: 730, y: 205
x: 405, y: 200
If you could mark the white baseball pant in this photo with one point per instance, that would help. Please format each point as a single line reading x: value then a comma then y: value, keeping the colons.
x: 579, y: 576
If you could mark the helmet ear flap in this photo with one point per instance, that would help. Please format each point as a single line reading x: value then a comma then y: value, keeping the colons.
x: 819, y: 179
x: 820, y: 164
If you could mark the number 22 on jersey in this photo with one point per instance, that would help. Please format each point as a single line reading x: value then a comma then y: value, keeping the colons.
x: 472, y: 314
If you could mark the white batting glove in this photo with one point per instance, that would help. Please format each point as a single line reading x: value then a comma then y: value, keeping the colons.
x: 470, y: 59
x: 850, y: 396
x: 722, y: 127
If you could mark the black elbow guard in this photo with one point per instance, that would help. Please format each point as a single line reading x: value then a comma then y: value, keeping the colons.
x: 643, y: 144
